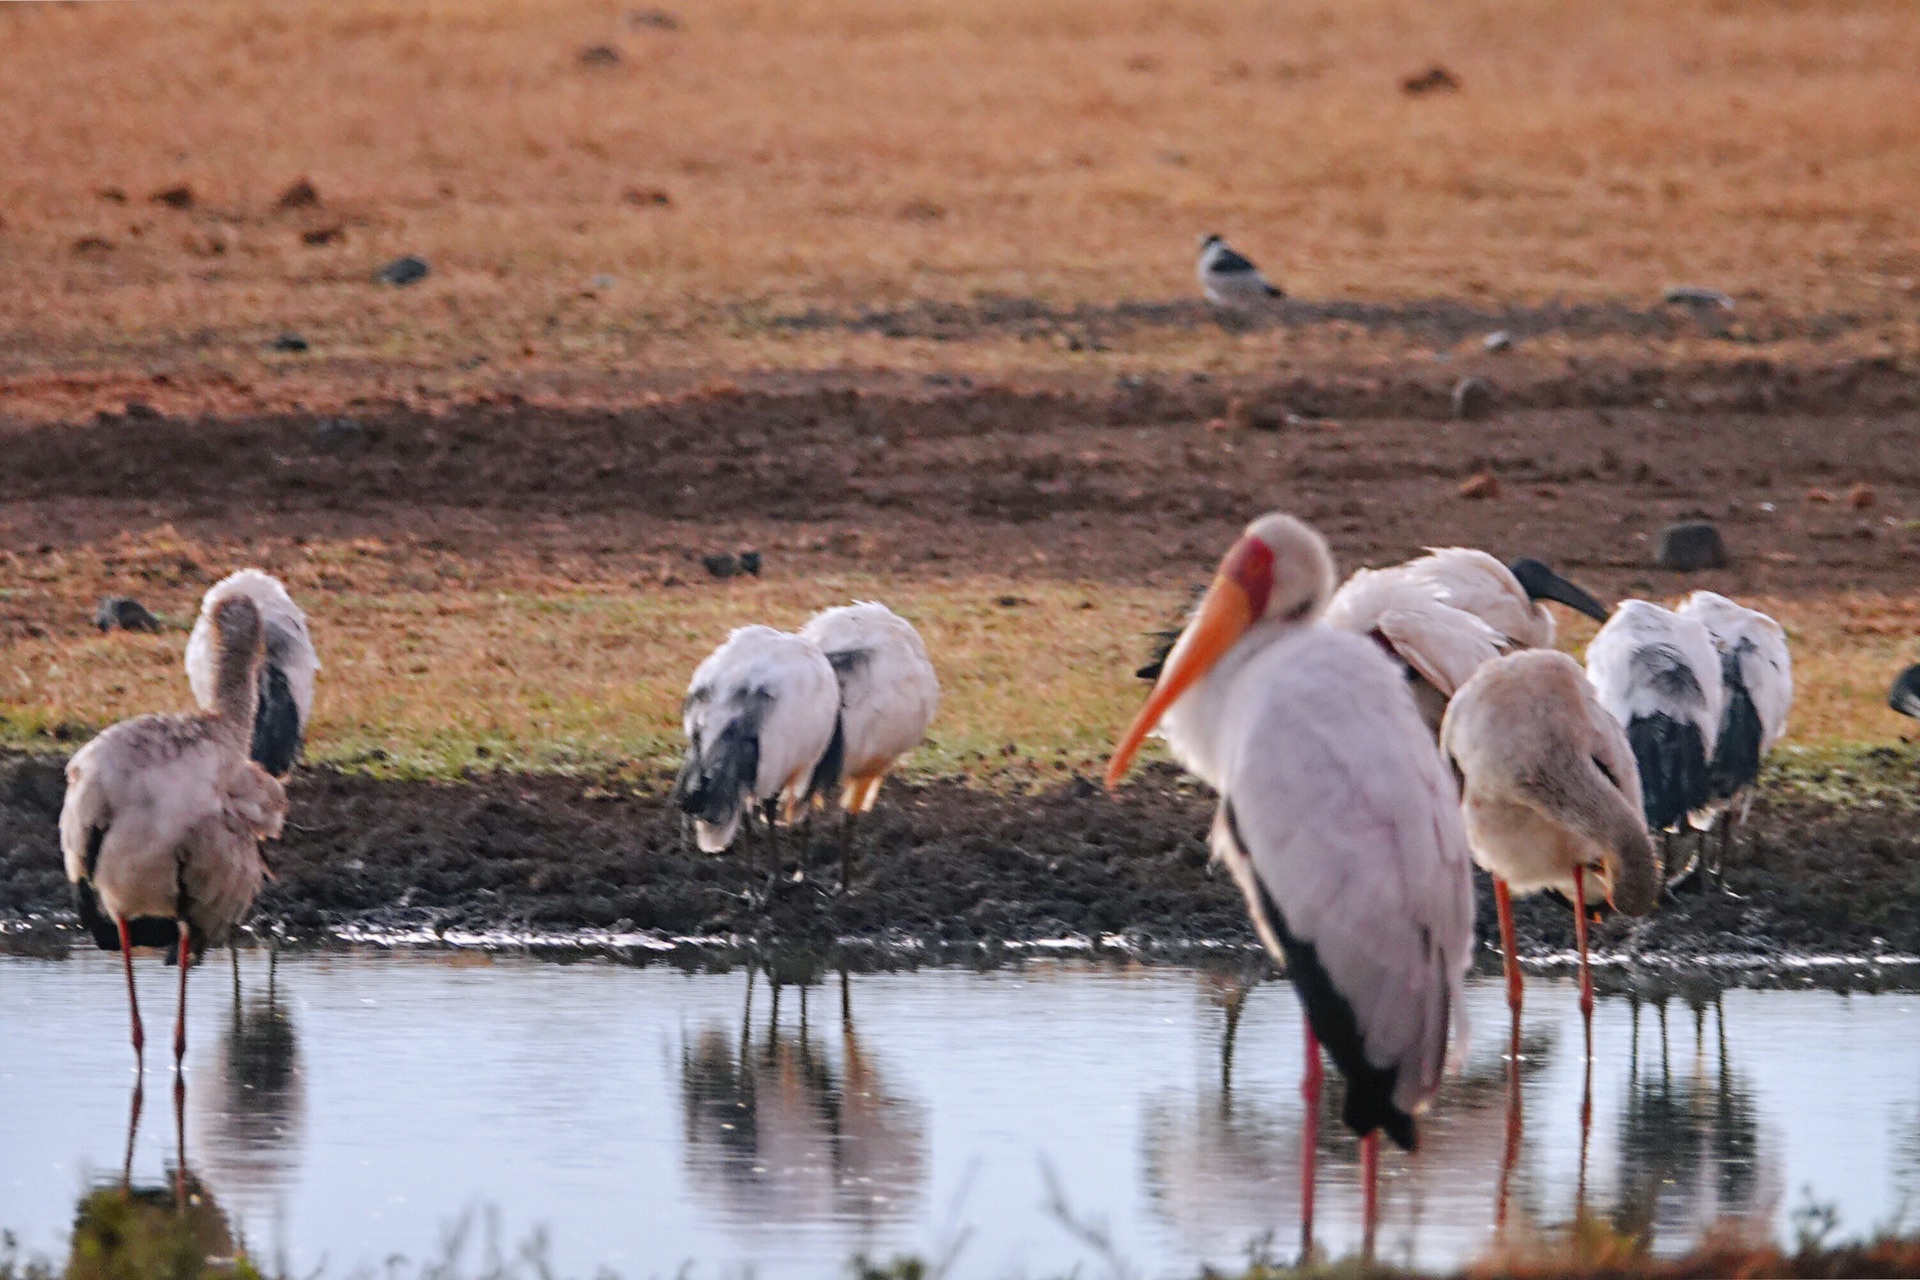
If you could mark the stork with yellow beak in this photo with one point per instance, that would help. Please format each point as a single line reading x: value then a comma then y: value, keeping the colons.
x: 1339, y: 822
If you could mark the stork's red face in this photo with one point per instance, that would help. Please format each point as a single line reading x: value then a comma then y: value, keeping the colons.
x: 1239, y: 597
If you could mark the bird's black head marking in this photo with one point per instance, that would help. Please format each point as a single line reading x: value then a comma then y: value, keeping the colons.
x: 1542, y: 583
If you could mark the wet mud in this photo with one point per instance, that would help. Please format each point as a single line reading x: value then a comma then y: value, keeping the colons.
x: 1134, y: 479
x: 939, y: 866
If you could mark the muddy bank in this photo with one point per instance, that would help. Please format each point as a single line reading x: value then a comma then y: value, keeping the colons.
x: 1138, y: 480
x: 940, y: 864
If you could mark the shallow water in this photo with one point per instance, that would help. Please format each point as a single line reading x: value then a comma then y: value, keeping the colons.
x: 359, y: 1105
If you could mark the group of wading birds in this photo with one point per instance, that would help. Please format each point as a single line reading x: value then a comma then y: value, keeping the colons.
x: 1369, y: 744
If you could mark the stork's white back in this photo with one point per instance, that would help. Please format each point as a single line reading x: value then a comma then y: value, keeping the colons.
x: 1759, y: 645
x: 888, y: 689
x: 1626, y: 659
x: 284, y: 628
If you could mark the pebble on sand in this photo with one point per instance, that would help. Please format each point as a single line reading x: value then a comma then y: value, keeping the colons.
x: 1690, y: 546
x: 1479, y: 485
x: 403, y: 271
x: 1472, y: 399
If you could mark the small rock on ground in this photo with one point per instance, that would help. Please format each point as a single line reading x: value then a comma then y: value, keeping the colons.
x: 1688, y: 547
x: 289, y: 342
x: 403, y: 271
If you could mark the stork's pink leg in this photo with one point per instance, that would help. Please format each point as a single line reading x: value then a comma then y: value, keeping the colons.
x: 1503, y: 899
x: 1515, y: 1122
x: 1580, y: 935
x: 1370, y: 1172
x: 180, y: 1018
x: 133, y: 1000
x: 1309, y: 1137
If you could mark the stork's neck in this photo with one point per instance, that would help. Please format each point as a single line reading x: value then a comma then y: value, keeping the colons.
x: 1198, y: 726
x: 236, y: 688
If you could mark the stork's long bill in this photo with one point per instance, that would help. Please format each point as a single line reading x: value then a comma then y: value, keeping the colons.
x: 1237, y: 597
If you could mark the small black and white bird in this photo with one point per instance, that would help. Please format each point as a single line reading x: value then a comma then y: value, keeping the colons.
x: 1230, y: 279
x: 1659, y: 675
x: 1757, y: 680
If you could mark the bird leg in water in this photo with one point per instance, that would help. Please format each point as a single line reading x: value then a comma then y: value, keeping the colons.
x: 1309, y: 1138
x: 233, y: 952
x: 1503, y: 898
x: 180, y: 1142
x: 133, y: 1000
x: 1515, y: 1124
x: 180, y: 1018
x: 133, y: 1129
x: 1370, y: 1172
x: 1580, y: 936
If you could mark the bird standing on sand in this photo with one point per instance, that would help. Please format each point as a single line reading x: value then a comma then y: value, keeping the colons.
x: 285, y: 703
x: 1339, y: 821
x: 1551, y: 797
x: 1230, y: 279
x: 1658, y: 674
x: 1756, y: 676
x: 888, y: 696
x: 762, y: 718
x: 163, y: 818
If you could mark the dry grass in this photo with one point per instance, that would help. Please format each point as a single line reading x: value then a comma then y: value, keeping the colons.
x: 847, y: 153
x: 433, y: 666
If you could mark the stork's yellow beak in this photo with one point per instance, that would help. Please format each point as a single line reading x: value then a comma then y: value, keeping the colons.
x: 1237, y: 597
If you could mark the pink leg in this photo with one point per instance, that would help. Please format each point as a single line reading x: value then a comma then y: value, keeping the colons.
x: 1580, y: 934
x: 1370, y: 1171
x: 1514, y: 1128
x: 180, y: 1019
x: 133, y: 1001
x: 1309, y: 1137
x: 1503, y: 899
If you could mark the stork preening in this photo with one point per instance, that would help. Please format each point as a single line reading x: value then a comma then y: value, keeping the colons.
x: 164, y: 815
x: 1339, y: 822
x: 1551, y: 798
x: 1756, y: 676
x: 1659, y: 675
x: 284, y: 706
x: 1229, y: 278
x: 1447, y: 612
x: 762, y: 718
x: 888, y: 696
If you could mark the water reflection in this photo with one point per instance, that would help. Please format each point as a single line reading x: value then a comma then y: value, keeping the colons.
x: 249, y: 1101
x: 1690, y: 1142
x: 169, y: 1227
x: 780, y: 1133
x: 1223, y: 1165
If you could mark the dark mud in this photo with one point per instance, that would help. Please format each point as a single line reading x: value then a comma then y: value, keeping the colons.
x: 941, y: 866
x: 1140, y: 481
x: 1442, y: 321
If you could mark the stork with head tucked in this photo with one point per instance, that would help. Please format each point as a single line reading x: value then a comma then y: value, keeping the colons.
x: 762, y: 718
x: 1658, y: 674
x: 1756, y: 677
x: 1338, y: 819
x: 888, y: 696
x: 1447, y: 612
x: 163, y: 818
x: 284, y: 706
x: 1551, y: 797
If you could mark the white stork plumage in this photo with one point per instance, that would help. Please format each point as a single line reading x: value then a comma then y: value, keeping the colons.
x: 285, y: 702
x: 1229, y: 278
x: 1756, y: 676
x: 1338, y: 820
x: 163, y: 818
x: 1449, y: 611
x: 888, y: 696
x: 1551, y: 797
x: 1658, y: 674
x: 762, y: 718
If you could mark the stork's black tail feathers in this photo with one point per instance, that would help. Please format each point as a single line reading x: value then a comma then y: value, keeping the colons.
x: 826, y: 774
x: 1736, y: 756
x: 717, y: 776
x: 276, y: 723
x: 146, y: 931
x: 1672, y: 759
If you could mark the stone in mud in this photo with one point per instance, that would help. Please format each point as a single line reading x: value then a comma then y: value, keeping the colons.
x: 1472, y: 399
x: 1688, y: 547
